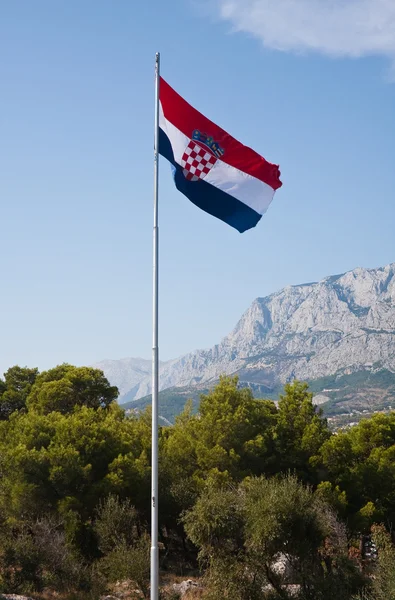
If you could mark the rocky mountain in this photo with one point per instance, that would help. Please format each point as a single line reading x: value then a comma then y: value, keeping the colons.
x: 341, y: 325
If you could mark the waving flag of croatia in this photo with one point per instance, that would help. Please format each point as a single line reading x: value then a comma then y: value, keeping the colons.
x: 216, y: 172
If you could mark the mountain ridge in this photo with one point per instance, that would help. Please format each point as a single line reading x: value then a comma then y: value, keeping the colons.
x: 340, y: 325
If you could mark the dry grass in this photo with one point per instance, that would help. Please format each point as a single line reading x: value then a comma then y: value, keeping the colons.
x: 194, y: 595
x: 125, y: 587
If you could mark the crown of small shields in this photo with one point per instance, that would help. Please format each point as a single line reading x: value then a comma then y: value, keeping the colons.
x: 208, y: 141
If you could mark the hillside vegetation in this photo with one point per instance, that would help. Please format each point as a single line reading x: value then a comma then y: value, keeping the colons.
x: 258, y: 501
x: 343, y: 398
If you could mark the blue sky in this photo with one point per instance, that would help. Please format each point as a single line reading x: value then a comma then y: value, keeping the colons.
x: 307, y: 84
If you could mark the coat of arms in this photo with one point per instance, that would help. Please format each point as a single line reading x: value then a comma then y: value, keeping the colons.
x: 200, y: 156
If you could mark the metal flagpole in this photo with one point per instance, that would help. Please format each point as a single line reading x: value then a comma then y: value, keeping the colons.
x: 155, y: 356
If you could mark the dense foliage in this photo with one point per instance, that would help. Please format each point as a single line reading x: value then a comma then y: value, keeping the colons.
x: 246, y: 485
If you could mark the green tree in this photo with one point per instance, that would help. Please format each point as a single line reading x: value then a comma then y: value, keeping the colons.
x: 361, y: 462
x: 64, y: 464
x: 236, y: 430
x: 15, y: 389
x: 231, y: 437
x: 243, y: 532
x: 333, y: 496
x: 232, y: 433
x: 300, y: 431
x: 64, y: 387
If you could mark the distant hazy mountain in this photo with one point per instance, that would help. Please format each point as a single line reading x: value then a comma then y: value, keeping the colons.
x: 342, y: 325
x: 125, y: 373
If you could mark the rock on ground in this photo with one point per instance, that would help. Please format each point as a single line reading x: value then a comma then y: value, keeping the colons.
x: 184, y: 587
x: 14, y: 597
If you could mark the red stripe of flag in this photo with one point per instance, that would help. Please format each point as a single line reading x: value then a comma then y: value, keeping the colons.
x: 186, y: 118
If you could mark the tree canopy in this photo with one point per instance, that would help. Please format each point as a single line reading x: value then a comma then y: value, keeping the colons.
x: 245, y: 484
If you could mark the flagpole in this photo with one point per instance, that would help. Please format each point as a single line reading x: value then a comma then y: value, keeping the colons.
x: 155, y: 356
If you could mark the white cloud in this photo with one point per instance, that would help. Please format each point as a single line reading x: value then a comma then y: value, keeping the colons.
x: 334, y: 27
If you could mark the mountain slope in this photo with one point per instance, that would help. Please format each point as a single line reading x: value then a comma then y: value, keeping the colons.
x: 340, y: 325
x: 343, y: 398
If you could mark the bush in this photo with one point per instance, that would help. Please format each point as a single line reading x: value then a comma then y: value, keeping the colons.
x: 116, y: 522
x: 35, y: 556
x: 126, y: 551
x: 243, y: 532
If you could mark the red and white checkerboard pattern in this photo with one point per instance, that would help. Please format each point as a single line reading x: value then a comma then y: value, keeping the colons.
x: 196, y: 161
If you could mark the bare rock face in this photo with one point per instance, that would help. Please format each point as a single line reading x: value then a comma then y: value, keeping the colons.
x: 343, y: 324
x: 340, y: 325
